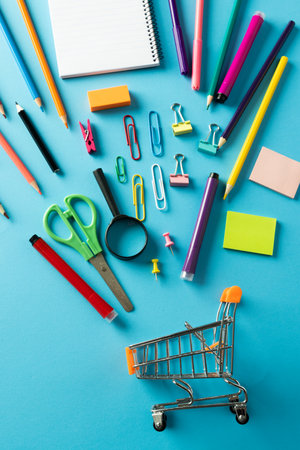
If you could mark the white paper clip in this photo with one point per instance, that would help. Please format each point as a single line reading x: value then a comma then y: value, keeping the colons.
x: 162, y: 197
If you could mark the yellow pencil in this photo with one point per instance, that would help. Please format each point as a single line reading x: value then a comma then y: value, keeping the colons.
x: 255, y: 125
x: 43, y: 62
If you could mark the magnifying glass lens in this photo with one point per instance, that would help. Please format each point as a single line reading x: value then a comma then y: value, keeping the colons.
x: 126, y: 237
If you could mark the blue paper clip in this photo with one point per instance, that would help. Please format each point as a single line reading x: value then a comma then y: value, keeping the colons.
x: 120, y: 169
x: 155, y: 134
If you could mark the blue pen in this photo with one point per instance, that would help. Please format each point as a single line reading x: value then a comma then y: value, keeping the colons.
x: 20, y: 62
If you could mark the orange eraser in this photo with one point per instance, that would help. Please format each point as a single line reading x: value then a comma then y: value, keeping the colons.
x: 109, y: 98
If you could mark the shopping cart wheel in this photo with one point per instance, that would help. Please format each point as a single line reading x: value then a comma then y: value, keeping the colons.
x: 159, y: 421
x: 241, y: 416
x: 233, y: 407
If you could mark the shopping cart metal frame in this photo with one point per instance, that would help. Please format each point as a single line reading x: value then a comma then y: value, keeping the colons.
x: 220, y: 351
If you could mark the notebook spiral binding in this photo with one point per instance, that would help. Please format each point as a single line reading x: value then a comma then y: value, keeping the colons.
x: 153, y: 32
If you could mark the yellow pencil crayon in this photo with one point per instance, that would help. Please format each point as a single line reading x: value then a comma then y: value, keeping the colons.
x: 255, y: 125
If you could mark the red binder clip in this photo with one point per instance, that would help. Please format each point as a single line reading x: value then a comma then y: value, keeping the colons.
x: 127, y: 128
x: 179, y: 179
x: 88, y: 137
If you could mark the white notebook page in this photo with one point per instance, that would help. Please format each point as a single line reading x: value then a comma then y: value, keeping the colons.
x: 98, y: 36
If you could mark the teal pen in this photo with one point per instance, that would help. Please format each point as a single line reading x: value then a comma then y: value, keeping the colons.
x: 20, y: 62
x: 224, y: 47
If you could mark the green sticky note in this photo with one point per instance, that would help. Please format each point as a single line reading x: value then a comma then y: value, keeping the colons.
x: 249, y: 233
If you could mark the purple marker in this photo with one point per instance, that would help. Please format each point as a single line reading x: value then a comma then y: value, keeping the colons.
x: 178, y: 38
x: 191, y: 260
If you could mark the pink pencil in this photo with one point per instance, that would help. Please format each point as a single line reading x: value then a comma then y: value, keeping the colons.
x: 197, y: 47
x: 240, y: 57
x: 19, y: 164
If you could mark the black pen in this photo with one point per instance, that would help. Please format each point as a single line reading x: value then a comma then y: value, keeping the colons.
x: 37, y: 139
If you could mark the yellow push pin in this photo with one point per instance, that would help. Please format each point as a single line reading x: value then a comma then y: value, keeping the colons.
x: 155, y: 268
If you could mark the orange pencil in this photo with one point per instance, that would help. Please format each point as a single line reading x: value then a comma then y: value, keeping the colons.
x: 16, y: 160
x: 43, y: 62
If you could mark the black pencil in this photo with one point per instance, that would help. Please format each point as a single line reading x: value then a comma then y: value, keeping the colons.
x: 37, y: 139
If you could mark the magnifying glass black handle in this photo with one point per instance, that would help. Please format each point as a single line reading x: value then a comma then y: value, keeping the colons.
x: 102, y: 181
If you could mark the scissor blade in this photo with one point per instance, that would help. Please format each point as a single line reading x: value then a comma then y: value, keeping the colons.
x: 106, y: 273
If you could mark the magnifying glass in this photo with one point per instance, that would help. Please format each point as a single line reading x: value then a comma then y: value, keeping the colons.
x: 126, y: 237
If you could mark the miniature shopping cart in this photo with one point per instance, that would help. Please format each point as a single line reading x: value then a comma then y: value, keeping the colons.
x: 202, y: 352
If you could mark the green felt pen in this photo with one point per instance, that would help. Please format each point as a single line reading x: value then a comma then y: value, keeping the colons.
x: 224, y: 47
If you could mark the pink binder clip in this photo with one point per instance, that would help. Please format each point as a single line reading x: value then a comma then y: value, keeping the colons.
x: 177, y: 179
x: 88, y: 137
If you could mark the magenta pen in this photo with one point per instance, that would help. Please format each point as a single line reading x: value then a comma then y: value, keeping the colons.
x: 191, y: 260
x: 240, y: 57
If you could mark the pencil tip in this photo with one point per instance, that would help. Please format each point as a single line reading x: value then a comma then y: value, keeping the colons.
x: 42, y: 109
x: 227, y: 190
x: 4, y: 115
x: 65, y: 120
x: 38, y: 101
x: 6, y: 215
x: 35, y: 186
x: 209, y: 100
x: 222, y: 141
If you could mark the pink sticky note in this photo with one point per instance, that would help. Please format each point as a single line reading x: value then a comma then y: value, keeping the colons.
x: 277, y: 172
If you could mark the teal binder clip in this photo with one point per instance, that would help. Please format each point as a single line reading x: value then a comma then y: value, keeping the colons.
x: 206, y: 146
x: 120, y: 169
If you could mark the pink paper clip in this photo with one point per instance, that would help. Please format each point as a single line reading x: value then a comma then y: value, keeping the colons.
x: 88, y: 137
x: 127, y: 128
x: 179, y: 179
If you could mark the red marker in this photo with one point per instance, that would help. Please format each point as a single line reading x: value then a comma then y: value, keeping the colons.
x: 103, y: 308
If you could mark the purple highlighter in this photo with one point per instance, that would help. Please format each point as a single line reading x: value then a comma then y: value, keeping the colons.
x: 240, y: 57
x: 178, y: 38
x: 191, y: 260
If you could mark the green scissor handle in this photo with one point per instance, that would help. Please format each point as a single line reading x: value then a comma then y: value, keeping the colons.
x: 87, y: 249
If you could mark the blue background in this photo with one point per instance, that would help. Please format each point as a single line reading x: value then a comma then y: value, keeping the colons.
x: 63, y: 378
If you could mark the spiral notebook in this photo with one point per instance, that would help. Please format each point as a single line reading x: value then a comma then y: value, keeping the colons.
x: 100, y: 36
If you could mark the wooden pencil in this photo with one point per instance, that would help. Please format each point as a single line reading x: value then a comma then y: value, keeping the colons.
x: 19, y: 164
x: 43, y: 62
x: 20, y: 62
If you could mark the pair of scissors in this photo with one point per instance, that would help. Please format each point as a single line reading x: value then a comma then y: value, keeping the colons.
x: 91, y: 249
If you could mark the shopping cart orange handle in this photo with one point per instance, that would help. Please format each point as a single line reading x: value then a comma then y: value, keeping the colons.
x: 130, y: 360
x: 231, y: 295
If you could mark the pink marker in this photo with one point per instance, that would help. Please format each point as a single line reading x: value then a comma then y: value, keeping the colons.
x: 197, y: 47
x: 240, y: 57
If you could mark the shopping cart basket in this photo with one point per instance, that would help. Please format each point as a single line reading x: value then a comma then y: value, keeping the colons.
x: 202, y: 352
